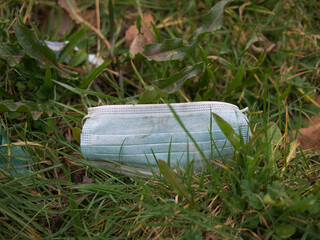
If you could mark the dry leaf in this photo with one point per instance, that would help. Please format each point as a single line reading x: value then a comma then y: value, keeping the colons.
x: 137, y: 45
x: 131, y: 33
x: 310, y: 137
x: 267, y: 46
x: 145, y: 30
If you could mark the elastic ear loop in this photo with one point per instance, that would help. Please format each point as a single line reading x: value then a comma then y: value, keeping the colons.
x: 244, y: 110
x: 85, y: 118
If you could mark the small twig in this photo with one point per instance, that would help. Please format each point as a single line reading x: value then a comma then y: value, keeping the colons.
x: 73, y: 69
x: 98, y: 26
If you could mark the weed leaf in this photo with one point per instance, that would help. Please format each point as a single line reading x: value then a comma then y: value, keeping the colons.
x: 174, y: 181
x: 95, y: 72
x: 31, y: 44
x: 213, y: 20
x: 285, y: 230
x: 46, y: 90
x: 273, y: 138
x: 26, y: 107
x: 169, y: 49
x: 237, y: 81
x: 150, y: 95
x: 11, y: 53
x: 228, y: 131
x: 76, y: 132
x: 173, y: 83
x: 273, y: 135
x: 73, y: 41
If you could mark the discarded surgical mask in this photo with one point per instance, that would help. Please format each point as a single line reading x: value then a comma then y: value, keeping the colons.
x: 131, y: 137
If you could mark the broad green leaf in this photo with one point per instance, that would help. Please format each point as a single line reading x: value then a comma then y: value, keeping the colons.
x: 46, y: 91
x: 285, y: 230
x: 73, y: 41
x: 273, y: 135
x: 228, y: 131
x: 173, y: 83
x: 79, y: 57
x: 248, y: 188
x: 170, y: 49
x: 257, y: 136
x: 276, y: 195
x: 76, y: 132
x: 11, y: 53
x: 31, y: 44
x: 213, y: 20
x: 236, y: 204
x: 267, y: 199
x: 237, y: 81
x: 94, y: 73
x: 174, y: 181
x: 304, y: 204
x: 149, y: 95
x: 27, y: 107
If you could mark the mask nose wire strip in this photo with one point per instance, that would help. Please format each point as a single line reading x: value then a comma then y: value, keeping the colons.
x: 244, y: 110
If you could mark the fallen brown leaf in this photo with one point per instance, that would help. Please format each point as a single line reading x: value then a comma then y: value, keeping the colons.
x: 137, y: 45
x: 309, y: 137
x: 136, y: 41
x: 146, y: 28
x: 131, y: 33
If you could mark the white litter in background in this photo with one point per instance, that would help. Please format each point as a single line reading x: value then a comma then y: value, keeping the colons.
x: 93, y: 59
x: 57, y: 47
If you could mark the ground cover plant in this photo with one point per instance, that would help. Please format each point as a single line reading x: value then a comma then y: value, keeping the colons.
x: 263, y: 55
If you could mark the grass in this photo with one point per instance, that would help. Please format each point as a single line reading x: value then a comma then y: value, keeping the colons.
x: 268, y: 190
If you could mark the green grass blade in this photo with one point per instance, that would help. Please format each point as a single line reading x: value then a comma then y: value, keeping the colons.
x: 174, y: 181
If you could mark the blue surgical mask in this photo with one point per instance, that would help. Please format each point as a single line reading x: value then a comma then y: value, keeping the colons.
x: 134, y: 135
